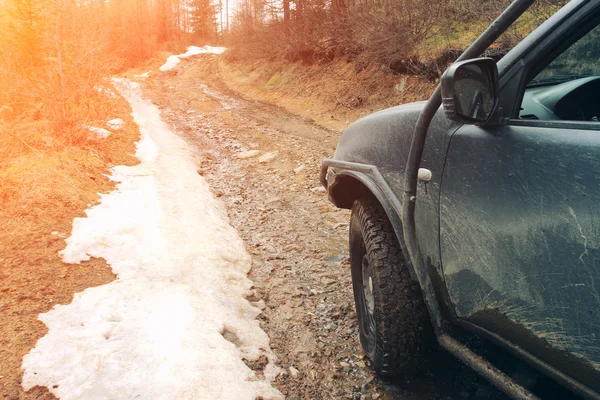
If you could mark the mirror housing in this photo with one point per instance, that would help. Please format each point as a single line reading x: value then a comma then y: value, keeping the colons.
x: 470, y: 90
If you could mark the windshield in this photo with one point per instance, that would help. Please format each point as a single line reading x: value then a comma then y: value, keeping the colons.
x: 580, y: 60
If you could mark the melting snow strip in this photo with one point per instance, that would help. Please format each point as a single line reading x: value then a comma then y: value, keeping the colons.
x: 175, y: 323
x: 172, y: 61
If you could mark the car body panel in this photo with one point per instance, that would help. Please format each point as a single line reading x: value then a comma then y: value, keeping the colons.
x: 382, y: 139
x: 520, y: 237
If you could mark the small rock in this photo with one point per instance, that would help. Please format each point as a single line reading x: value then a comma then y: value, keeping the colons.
x: 265, y: 158
x: 401, y: 86
x: 299, y: 169
x: 261, y: 304
x: 344, y: 364
x: 294, y: 372
x: 247, y: 154
x: 55, y: 233
x: 334, y: 261
x: 318, y: 189
x: 367, y: 384
x: 375, y: 395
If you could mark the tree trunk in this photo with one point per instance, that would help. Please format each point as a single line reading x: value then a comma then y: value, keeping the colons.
x: 286, y: 11
x: 59, y: 65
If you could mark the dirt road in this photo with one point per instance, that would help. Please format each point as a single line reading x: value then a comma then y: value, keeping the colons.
x: 264, y: 164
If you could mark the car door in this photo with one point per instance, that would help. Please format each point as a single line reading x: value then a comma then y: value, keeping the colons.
x: 520, y: 217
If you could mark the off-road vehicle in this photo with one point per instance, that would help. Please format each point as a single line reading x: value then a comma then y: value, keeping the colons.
x: 478, y: 211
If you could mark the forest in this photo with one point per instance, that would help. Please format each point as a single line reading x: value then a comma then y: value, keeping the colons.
x: 55, y: 56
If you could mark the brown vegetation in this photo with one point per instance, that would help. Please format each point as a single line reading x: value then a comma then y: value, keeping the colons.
x: 40, y: 194
x: 333, y: 95
x: 56, y: 56
x: 404, y: 36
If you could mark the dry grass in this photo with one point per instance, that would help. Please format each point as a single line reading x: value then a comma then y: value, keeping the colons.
x: 44, y: 184
x: 38, y: 169
x: 334, y: 94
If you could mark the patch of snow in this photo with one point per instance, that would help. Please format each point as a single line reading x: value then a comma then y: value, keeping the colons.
x: 116, y: 124
x: 107, y: 91
x: 172, y: 61
x: 195, y: 50
x: 144, y: 75
x: 161, y: 329
x: 99, y: 133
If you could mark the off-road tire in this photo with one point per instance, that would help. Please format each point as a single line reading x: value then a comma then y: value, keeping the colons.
x: 395, y: 330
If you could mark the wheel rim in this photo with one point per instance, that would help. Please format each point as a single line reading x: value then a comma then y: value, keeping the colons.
x: 368, y: 285
x: 362, y: 282
x: 368, y: 297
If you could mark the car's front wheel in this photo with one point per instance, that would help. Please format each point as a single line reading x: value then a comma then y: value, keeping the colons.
x: 395, y: 330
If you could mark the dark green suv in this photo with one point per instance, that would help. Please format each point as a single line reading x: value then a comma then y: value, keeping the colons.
x: 479, y: 210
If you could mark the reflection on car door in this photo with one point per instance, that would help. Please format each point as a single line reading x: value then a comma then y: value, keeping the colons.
x: 520, y: 238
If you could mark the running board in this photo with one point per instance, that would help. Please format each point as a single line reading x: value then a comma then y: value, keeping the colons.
x: 485, y: 369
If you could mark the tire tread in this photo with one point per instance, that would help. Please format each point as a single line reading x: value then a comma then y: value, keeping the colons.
x: 400, y: 314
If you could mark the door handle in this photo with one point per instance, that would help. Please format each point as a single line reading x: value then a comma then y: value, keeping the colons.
x: 424, y: 175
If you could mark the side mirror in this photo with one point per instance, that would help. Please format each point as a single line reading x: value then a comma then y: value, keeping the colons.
x: 470, y: 90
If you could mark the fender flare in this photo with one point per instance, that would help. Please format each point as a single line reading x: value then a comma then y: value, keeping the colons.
x: 334, y: 171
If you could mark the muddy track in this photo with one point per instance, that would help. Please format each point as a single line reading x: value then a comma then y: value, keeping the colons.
x: 297, y: 239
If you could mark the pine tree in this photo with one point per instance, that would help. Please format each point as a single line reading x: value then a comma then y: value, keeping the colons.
x: 28, y: 25
x: 203, y: 20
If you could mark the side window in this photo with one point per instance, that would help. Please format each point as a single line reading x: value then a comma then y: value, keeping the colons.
x: 567, y: 88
